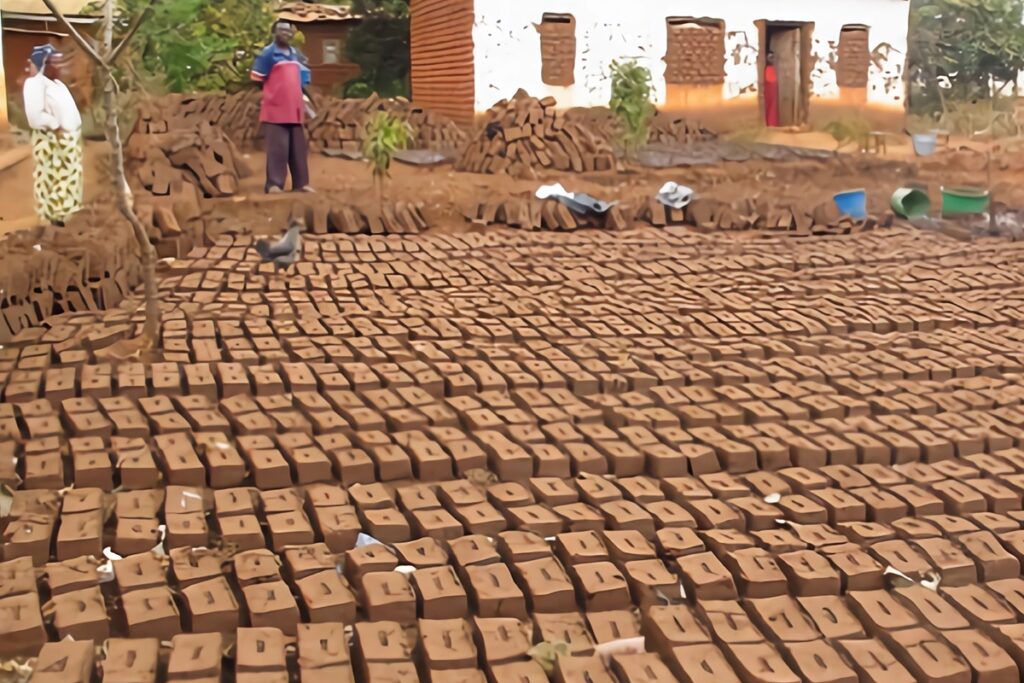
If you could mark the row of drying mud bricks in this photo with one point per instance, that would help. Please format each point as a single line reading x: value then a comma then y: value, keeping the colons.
x: 712, y: 215
x: 550, y: 214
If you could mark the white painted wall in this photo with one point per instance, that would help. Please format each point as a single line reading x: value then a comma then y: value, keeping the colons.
x: 507, y: 44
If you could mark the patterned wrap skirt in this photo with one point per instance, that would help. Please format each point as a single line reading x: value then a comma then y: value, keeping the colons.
x: 58, y: 183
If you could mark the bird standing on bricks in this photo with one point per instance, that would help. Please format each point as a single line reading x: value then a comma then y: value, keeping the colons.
x: 286, y: 250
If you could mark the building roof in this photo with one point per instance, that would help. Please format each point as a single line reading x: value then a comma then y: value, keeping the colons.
x: 308, y: 12
x: 70, y: 8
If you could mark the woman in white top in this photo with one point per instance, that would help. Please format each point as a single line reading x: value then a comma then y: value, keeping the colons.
x: 56, y: 138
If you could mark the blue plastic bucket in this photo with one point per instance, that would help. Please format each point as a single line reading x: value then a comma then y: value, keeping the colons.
x: 924, y: 143
x: 853, y: 203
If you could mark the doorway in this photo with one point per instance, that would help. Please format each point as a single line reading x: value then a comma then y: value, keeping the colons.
x: 790, y: 42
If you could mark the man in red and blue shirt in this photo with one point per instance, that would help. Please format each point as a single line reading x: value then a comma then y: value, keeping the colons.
x: 281, y: 71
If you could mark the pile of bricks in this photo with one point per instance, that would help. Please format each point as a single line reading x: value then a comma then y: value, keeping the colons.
x: 695, y: 53
x: 339, y: 124
x: 89, y: 265
x: 527, y: 134
x: 529, y: 213
x: 204, y: 157
x: 323, y: 216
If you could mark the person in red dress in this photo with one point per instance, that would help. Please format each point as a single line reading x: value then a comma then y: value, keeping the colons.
x: 771, y: 92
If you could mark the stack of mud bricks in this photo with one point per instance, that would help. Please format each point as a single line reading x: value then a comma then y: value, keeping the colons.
x: 525, y: 133
x: 696, y: 54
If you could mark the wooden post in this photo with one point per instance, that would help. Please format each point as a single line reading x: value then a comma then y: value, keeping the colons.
x: 5, y: 124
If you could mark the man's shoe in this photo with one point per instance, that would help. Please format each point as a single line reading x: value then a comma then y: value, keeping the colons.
x: 274, y: 189
x: 309, y: 188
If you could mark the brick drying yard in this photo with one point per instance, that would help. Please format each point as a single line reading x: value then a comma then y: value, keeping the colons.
x: 778, y: 453
x: 722, y: 445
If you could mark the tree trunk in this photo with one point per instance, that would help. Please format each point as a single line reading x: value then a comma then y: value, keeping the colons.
x: 125, y: 200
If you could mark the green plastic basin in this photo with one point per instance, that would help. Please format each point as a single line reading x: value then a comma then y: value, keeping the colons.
x: 910, y: 202
x: 959, y: 201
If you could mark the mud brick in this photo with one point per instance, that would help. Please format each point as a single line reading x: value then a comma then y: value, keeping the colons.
x: 952, y: 526
x: 728, y: 622
x: 568, y: 627
x: 447, y: 644
x: 882, y: 506
x: 700, y: 663
x: 706, y: 578
x: 269, y: 468
x: 553, y: 491
x: 817, y: 661
x: 29, y: 536
x: 211, y: 606
x: 613, y: 625
x: 831, y: 617
x: 756, y: 573
x: 494, y: 592
x: 580, y: 548
x: 956, y: 568
x: 999, y: 498
x: 992, y: 561
x: 43, y: 471
x: 289, y: 528
x: 920, y: 501
x: 679, y: 542
x: 546, y: 585
x: 17, y: 577
x: 187, y: 529
x: 927, y: 657
x: 326, y: 597
x: 422, y: 553
x: 809, y: 573
x: 388, y: 596
x: 438, y: 524
x: 714, y: 514
x: 986, y: 660
x: 473, y: 550
x: 180, y: 461
x: 502, y: 640
x: 23, y: 630
x: 190, y: 566
x: 131, y: 660
x: 597, y: 491
x: 930, y: 608
x: 874, y: 662
x: 770, y: 663
x: 996, y: 523
x: 841, y: 506
x: 802, y: 510
x: 757, y: 515
x: 323, y: 648
x: 781, y: 619
x: 1011, y: 590
x: 369, y: 558
x: 481, y: 518
x: 880, y: 612
x: 651, y: 582
x: 136, y: 468
x: 271, y: 603
x: 82, y: 615
x: 439, y: 592
x: 959, y: 498
x: 80, y: 535
x: 534, y: 518
x: 259, y: 650
x: 857, y: 569
x: 65, y: 662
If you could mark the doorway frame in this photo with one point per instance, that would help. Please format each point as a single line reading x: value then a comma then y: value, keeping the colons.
x: 806, y: 29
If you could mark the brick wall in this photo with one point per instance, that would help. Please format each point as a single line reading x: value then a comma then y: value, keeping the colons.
x: 696, y: 52
x: 852, y: 69
x: 441, y: 48
x: 558, y: 49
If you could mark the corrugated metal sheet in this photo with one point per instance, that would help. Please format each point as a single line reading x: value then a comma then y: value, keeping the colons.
x: 442, y: 57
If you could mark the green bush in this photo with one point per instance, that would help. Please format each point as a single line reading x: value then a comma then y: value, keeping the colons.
x: 631, y: 103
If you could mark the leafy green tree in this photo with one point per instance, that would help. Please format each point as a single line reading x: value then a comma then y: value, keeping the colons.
x: 631, y: 103
x: 198, y: 44
x: 963, y: 50
x: 385, y: 135
x: 379, y: 44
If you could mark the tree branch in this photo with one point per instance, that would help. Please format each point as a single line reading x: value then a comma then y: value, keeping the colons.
x: 136, y: 23
x: 78, y: 37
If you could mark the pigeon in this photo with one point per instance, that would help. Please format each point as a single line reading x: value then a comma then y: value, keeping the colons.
x: 285, y: 251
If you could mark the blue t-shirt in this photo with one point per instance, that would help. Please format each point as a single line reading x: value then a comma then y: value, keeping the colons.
x: 284, y: 74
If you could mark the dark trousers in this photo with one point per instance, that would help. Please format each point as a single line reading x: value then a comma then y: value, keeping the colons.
x: 286, y: 151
